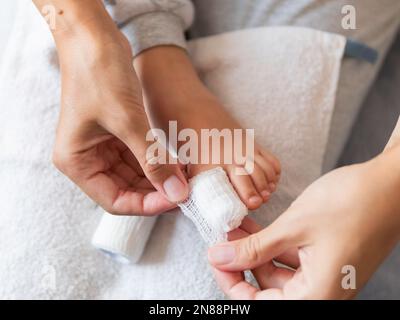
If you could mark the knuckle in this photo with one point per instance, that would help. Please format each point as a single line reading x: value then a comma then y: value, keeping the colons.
x: 251, y: 249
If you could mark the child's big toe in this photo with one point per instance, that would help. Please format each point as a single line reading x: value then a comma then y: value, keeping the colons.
x: 261, y: 183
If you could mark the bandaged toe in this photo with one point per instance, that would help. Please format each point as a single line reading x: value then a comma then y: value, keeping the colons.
x: 213, y: 205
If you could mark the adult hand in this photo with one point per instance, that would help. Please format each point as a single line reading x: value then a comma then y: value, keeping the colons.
x: 349, y: 218
x: 101, y: 137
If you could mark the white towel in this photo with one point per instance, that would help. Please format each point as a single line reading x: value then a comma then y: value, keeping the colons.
x: 213, y: 205
x: 280, y: 81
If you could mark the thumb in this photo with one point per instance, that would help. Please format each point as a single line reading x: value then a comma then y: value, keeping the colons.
x: 166, y: 176
x: 256, y: 249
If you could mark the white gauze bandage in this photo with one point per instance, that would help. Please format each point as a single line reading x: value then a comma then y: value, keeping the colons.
x: 213, y: 205
x: 123, y: 237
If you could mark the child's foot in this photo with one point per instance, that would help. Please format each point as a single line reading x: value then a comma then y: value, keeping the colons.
x: 255, y: 188
x: 173, y: 92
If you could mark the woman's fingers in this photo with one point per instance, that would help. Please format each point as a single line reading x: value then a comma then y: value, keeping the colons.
x: 117, y: 200
x: 256, y: 249
x: 155, y: 203
x: 267, y: 275
x: 234, y: 285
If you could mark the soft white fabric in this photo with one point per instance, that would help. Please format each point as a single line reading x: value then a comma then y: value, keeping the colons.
x: 122, y: 237
x: 283, y: 86
x: 213, y: 205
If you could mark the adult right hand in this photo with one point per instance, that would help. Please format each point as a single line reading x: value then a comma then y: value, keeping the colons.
x: 101, y: 137
x: 334, y: 236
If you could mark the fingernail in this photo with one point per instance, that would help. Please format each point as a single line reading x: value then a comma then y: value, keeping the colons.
x: 272, y: 186
x: 222, y: 254
x: 255, y: 200
x: 175, y: 190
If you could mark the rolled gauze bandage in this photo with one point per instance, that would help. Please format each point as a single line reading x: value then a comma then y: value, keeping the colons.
x: 123, y: 237
x: 213, y: 205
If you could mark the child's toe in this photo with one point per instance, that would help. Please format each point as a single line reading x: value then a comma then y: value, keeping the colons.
x: 268, y: 170
x: 245, y: 188
x: 261, y: 183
